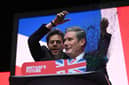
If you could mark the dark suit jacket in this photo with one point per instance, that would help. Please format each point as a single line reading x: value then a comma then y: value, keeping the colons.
x: 38, y: 52
x: 97, y: 60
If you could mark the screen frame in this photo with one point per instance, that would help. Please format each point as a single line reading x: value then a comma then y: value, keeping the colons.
x: 39, y: 12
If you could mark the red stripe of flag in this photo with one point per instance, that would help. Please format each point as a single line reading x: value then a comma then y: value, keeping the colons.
x: 123, y: 16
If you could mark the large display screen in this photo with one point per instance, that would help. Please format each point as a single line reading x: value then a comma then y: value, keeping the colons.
x: 89, y: 20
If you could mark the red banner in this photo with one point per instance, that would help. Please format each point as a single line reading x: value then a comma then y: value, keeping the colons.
x: 54, y: 67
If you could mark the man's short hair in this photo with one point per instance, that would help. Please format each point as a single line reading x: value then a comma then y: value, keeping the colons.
x: 55, y: 32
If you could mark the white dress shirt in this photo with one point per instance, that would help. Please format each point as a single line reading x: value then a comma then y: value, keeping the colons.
x: 80, y: 56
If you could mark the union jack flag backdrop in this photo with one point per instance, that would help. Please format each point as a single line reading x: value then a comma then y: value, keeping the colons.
x: 118, y: 64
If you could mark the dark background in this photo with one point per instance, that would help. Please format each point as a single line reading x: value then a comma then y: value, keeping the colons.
x: 9, y: 8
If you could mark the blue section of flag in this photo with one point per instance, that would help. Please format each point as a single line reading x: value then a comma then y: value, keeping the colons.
x: 77, y: 70
x: 82, y: 60
x: 88, y: 20
x: 59, y: 62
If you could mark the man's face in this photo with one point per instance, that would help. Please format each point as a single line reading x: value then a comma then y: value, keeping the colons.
x: 73, y: 47
x: 55, y: 44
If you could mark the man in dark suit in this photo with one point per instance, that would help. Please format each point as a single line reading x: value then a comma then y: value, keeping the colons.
x: 75, y: 42
x: 54, y: 40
